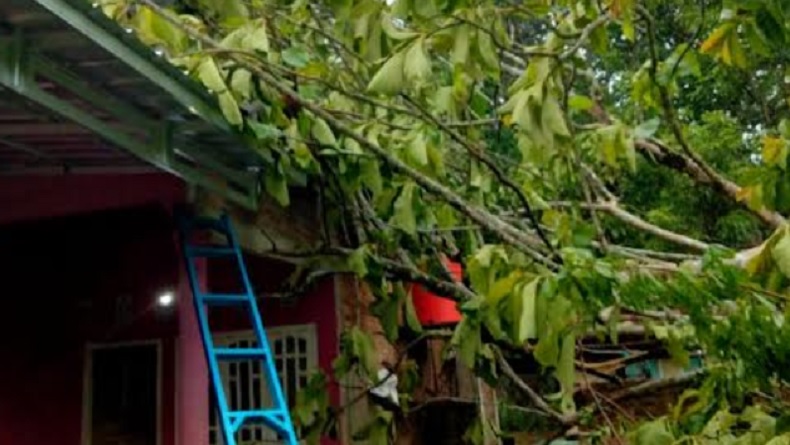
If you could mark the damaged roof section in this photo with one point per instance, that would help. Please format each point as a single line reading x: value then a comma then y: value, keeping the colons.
x: 77, y: 92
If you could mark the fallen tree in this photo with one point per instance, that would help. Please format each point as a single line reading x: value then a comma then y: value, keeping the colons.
x: 521, y: 139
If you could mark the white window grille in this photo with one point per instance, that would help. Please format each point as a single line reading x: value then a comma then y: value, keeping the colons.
x: 295, y: 352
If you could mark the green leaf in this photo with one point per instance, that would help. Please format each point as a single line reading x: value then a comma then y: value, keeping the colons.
x: 580, y: 103
x: 403, y: 216
x: 502, y: 287
x: 487, y: 51
x: 781, y: 254
x: 715, y: 41
x: 553, y: 118
x: 436, y: 160
x: 241, y: 83
x: 737, y: 51
x: 417, y: 66
x: 389, y: 78
x: 566, y: 372
x: 466, y: 339
x: 401, y: 8
x: 771, y: 26
x: 757, y: 40
x: 547, y: 351
x: 153, y: 29
x: 276, y: 186
x: 357, y: 261
x: 444, y: 102
x: 322, y: 133
x: 257, y: 39
x: 387, y: 309
x: 647, y: 128
x: 599, y: 40
x: 461, y: 38
x: 209, y: 74
x: 230, y: 109
x: 417, y: 150
x: 608, y: 145
x: 525, y: 310
x: 775, y: 151
x: 264, y: 132
x: 364, y: 349
x: 296, y: 56
x: 371, y: 176
x: 626, y: 146
x: 688, y: 66
x: 654, y: 433
x: 303, y: 156
x: 784, y: 439
x: 411, y: 316
x: 425, y: 8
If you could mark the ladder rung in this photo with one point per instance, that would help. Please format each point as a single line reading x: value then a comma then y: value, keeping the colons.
x: 273, y: 417
x: 211, y: 251
x: 239, y: 353
x: 225, y: 299
x: 258, y: 414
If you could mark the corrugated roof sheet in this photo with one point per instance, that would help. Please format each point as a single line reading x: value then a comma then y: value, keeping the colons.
x: 32, y: 137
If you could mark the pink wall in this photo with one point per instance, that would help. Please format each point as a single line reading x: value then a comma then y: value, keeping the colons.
x: 61, y: 279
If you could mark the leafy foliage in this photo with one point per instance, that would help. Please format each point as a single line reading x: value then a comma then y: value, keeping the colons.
x: 577, y: 156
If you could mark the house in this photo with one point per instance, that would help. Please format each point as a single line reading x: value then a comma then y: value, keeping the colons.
x: 100, y: 139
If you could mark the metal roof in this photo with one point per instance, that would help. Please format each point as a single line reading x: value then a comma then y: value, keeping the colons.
x: 78, y: 92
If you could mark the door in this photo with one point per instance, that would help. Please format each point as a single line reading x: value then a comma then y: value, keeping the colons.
x: 123, y: 406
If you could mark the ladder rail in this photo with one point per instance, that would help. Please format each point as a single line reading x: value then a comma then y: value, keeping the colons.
x: 208, y: 348
x: 275, y: 389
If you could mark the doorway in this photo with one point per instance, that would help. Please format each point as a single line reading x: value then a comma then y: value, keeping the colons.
x: 122, y: 394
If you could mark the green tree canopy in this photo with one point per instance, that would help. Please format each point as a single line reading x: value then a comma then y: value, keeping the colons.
x: 580, y: 157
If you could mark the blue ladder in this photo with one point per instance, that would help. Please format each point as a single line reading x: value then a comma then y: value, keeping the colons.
x: 278, y: 417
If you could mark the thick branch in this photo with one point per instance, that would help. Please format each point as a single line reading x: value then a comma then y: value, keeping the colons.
x: 665, y: 156
x: 641, y: 224
x: 629, y: 218
x: 652, y: 386
x: 451, y: 289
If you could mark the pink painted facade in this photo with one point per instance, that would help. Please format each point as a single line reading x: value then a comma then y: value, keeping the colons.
x: 70, y: 246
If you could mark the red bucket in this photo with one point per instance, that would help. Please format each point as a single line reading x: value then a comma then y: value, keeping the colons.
x: 436, y: 310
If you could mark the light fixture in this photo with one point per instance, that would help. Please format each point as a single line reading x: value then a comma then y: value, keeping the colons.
x: 165, y: 299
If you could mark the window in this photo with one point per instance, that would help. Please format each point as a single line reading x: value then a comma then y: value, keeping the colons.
x: 295, y: 356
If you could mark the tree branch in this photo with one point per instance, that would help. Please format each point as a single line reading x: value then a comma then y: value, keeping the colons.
x: 658, y: 152
x: 534, y: 397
